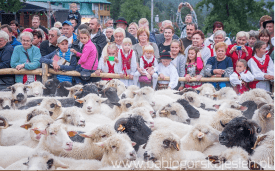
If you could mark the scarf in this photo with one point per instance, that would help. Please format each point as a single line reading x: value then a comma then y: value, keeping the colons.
x: 126, y: 62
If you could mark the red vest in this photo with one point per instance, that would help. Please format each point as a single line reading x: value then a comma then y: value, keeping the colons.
x: 263, y: 68
x: 211, y: 50
x: 146, y: 65
x: 111, y: 70
x: 126, y: 62
x: 241, y: 88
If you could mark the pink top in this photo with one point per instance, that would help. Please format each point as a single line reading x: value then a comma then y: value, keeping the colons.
x: 88, y: 56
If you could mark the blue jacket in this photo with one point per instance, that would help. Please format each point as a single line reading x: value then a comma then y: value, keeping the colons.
x: 5, y: 56
x: 15, y: 42
x: 19, y: 57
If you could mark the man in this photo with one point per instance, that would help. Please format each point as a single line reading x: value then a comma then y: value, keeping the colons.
x: 36, y: 24
x: 190, y: 29
x: 74, y: 23
x: 14, y: 26
x: 109, y: 22
x: 12, y: 39
x: 109, y: 33
x: 269, y: 25
x: 190, y: 18
x: 68, y: 31
x: 216, y: 26
x: 262, y: 20
x: 122, y: 23
x: 97, y: 37
x: 48, y: 46
x: 160, y: 37
x: 144, y: 23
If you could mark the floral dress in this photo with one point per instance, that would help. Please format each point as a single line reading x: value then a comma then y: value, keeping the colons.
x: 192, y: 70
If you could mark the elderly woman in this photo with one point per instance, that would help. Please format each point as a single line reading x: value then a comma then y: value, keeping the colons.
x: 133, y: 28
x: 264, y: 36
x: 168, y: 36
x: 253, y: 36
x: 6, y: 50
x: 197, y: 41
x: 262, y: 67
x: 219, y: 36
x: 219, y: 66
x: 239, y: 50
x: 26, y: 56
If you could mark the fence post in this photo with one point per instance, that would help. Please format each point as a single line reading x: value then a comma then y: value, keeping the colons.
x: 45, y: 71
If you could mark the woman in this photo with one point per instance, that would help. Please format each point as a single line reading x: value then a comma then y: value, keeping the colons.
x: 133, y: 28
x: 37, y: 38
x: 239, y: 50
x: 6, y: 50
x: 219, y: 66
x: 253, y: 36
x: 262, y: 67
x: 168, y: 36
x: 25, y: 56
x: 264, y: 36
x: 197, y: 41
x: 219, y: 36
x: 143, y: 38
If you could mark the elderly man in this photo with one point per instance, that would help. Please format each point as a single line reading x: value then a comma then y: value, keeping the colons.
x: 97, y: 37
x: 36, y: 24
x: 122, y: 23
x: 12, y: 39
x: 190, y: 29
x: 6, y: 51
x: 68, y: 31
x: 216, y: 26
x: 269, y: 25
x: 190, y: 18
x: 48, y: 46
x: 160, y: 37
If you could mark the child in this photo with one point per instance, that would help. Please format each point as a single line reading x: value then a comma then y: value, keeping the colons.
x: 193, y: 67
x: 127, y: 62
x: 63, y: 52
x: 88, y: 58
x: 165, y: 69
x: 148, y: 65
x: 104, y: 64
x: 241, y: 77
x: 74, y: 14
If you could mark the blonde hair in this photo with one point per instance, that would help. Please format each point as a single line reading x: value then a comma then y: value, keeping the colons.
x: 143, y: 21
x: 84, y: 31
x: 242, y: 61
x: 221, y: 44
x: 57, y: 23
x: 148, y: 48
x: 265, y: 18
x: 119, y: 30
x: 133, y: 23
x: 242, y: 34
x: 110, y: 45
x: 73, y: 4
x: 180, y: 43
x: 127, y: 40
x: 140, y: 31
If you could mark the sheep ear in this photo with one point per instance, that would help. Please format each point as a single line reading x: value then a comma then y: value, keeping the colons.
x: 68, y: 88
x: 133, y: 143
x: 115, y: 103
x: 103, y: 99
x: 100, y: 144
x: 243, y: 108
x: 26, y: 126
x: 259, y: 139
x: 260, y: 105
x: 216, y: 106
x: 43, y: 87
x: 79, y: 100
x: 71, y: 133
x: 85, y: 136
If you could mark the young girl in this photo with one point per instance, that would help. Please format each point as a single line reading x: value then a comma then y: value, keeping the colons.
x: 105, y: 65
x: 127, y: 62
x: 148, y: 65
x: 240, y: 78
x: 88, y: 58
x: 178, y: 60
x: 262, y: 67
x: 193, y: 67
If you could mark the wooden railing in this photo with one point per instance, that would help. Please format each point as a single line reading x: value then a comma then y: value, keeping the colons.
x: 46, y: 72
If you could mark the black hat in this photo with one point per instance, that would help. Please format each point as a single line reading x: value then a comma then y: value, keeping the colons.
x: 121, y: 20
x: 165, y: 55
x: 266, y: 22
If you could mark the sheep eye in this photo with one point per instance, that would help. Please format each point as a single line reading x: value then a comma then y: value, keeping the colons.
x: 68, y: 115
x: 143, y: 93
x: 207, y: 132
x: 103, y: 136
x: 52, y: 105
x: 241, y: 128
x: 232, y: 106
x: 113, y: 146
x: 52, y: 133
x: 97, y: 101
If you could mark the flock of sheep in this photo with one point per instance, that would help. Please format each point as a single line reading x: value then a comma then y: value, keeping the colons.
x: 108, y: 126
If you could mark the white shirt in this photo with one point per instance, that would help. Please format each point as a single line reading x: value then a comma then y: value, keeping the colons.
x: 104, y: 66
x: 93, y: 35
x: 70, y: 41
x: 133, y: 66
x: 210, y: 40
x: 169, y: 71
x: 272, y: 41
x: 246, y: 77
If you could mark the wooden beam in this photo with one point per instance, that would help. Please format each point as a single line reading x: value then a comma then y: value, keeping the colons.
x: 45, y: 70
x: 12, y: 71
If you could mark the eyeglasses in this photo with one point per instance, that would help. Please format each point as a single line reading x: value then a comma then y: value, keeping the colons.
x: 90, y: 23
x: 51, y: 35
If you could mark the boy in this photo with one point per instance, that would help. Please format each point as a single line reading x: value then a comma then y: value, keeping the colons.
x: 74, y: 14
x: 241, y: 77
x: 63, y: 51
x: 165, y: 69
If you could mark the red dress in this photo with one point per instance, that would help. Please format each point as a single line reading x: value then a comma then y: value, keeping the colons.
x: 234, y: 56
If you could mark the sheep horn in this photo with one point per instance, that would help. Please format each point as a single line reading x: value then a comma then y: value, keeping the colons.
x: 253, y: 123
x: 222, y: 124
x: 259, y: 139
x: 5, y: 123
x: 121, y: 121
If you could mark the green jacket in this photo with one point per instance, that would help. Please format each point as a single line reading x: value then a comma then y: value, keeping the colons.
x: 19, y: 57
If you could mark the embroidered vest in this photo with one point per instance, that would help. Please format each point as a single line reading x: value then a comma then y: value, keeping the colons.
x: 263, y: 68
x: 146, y: 64
x: 111, y: 70
x: 126, y: 62
x: 211, y: 50
x: 241, y: 88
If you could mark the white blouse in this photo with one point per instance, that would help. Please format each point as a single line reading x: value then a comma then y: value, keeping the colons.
x: 246, y: 77
x: 133, y: 68
x: 169, y: 71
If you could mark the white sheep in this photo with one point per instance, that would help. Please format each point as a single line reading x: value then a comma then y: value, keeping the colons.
x: 168, y: 92
x: 129, y: 92
x: 19, y: 94
x: 255, y: 94
x: 264, y: 116
x: 226, y: 93
x: 35, y: 89
x: 72, y: 116
x: 206, y: 90
x: 199, y: 138
x: 175, y: 112
x: 3, y: 125
x: 74, y: 89
x: 120, y: 86
x: 6, y: 101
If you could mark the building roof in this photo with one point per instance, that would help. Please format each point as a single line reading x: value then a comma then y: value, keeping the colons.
x: 86, y: 9
x: 73, y: 1
x: 39, y: 7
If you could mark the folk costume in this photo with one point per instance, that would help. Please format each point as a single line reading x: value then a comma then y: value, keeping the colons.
x: 240, y: 87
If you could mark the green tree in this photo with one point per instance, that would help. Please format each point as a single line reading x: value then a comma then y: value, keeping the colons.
x: 11, y: 5
x: 115, y: 8
x: 236, y: 15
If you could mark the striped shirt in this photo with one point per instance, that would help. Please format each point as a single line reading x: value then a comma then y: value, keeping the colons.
x: 67, y: 56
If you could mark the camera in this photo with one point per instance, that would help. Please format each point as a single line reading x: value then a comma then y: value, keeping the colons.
x: 239, y: 48
x: 184, y: 4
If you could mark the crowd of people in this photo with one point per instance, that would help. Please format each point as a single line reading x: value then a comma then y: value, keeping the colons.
x: 131, y: 50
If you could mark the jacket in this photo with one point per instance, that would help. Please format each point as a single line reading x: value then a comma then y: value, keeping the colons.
x: 5, y: 58
x: 133, y: 39
x: 19, y: 57
x: 14, y: 42
x: 100, y: 41
x: 76, y: 16
x: 88, y: 58
x: 46, y: 48
x: 43, y: 28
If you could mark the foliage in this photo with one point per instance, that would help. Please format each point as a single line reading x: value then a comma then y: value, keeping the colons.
x: 115, y: 8
x: 11, y: 5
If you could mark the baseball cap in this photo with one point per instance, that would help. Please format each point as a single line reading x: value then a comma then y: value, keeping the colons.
x: 67, y: 22
x: 61, y: 39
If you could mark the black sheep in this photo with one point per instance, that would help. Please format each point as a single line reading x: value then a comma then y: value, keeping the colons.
x: 240, y: 132
x: 251, y: 107
x: 191, y: 111
x: 87, y: 89
x: 51, y: 86
x: 135, y: 128
x: 111, y: 94
x: 61, y: 89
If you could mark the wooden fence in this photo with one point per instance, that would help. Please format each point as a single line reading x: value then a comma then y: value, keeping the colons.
x: 46, y: 72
